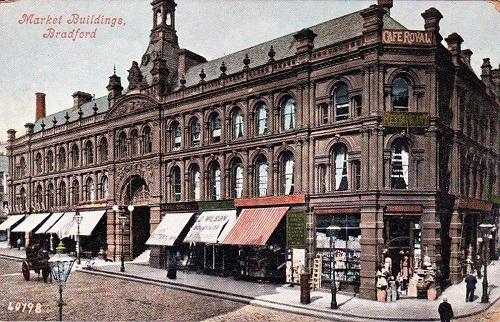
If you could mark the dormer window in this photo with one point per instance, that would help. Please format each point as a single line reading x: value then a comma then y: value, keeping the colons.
x: 169, y: 19
x: 159, y: 18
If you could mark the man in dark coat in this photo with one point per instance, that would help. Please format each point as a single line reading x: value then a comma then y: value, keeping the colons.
x: 445, y: 310
x: 470, y: 282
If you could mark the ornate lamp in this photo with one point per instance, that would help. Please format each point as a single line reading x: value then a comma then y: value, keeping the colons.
x: 78, y: 219
x: 486, y: 231
x: 333, y: 285
x: 60, y: 267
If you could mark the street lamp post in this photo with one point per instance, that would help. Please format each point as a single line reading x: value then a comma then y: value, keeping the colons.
x: 333, y: 284
x: 60, y: 267
x: 78, y: 219
x: 486, y: 230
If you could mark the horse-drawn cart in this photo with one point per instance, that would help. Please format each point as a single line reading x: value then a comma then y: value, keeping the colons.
x: 37, y: 259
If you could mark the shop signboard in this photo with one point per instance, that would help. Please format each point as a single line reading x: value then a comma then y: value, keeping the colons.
x: 216, y: 205
x: 296, y: 231
x: 407, y: 37
x: 406, y: 119
x: 180, y: 206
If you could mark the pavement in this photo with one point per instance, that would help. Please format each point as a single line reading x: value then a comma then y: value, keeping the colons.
x: 285, y: 298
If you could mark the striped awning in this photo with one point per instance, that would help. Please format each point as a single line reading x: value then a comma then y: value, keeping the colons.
x: 169, y: 229
x: 11, y: 221
x: 30, y: 223
x: 255, y: 226
x: 49, y: 223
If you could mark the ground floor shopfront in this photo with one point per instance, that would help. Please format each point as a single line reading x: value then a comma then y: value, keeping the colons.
x: 419, y: 240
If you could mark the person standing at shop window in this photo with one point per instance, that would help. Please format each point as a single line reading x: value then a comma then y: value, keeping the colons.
x: 470, y: 282
x: 479, y: 265
x: 405, y: 272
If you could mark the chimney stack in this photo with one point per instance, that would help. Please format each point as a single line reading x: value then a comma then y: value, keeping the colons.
x: 486, y: 72
x: 466, y: 54
x: 80, y: 98
x: 386, y: 5
x: 40, y: 111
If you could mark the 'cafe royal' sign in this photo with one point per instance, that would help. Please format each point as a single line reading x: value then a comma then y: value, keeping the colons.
x: 407, y: 37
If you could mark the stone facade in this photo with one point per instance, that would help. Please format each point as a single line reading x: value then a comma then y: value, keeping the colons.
x: 374, y: 128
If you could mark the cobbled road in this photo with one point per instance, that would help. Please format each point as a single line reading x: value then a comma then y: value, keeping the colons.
x: 97, y: 298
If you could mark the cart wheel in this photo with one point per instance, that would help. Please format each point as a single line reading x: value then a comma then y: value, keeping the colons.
x: 45, y: 274
x: 26, y: 271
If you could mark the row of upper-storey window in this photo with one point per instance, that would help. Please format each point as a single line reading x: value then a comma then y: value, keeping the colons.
x: 133, y: 143
x: 63, y: 160
x: 340, y: 107
x: 341, y: 174
x: 53, y: 197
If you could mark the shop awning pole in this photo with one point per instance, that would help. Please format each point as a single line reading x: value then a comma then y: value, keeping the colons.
x: 204, y: 256
x: 223, y: 257
x: 213, y: 256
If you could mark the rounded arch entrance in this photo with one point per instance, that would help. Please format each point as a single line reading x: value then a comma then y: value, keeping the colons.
x: 135, y: 191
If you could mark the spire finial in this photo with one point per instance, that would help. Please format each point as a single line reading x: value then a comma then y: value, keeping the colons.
x: 114, y: 69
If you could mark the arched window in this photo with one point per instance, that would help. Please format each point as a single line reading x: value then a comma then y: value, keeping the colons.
x: 75, y: 156
x: 194, y: 129
x: 104, y: 188
x: 195, y: 183
x: 261, y: 176
x: 169, y: 19
x: 340, y: 99
x: 103, y: 149
x: 214, y: 181
x: 50, y: 196
x: 50, y: 160
x: 62, y: 158
x: 159, y: 17
x: 261, y: 123
x: 322, y: 170
x: 215, y: 128
x: 39, y: 162
x: 89, y: 152
x: 22, y: 165
x: 177, y: 136
x: 287, y: 173
x: 400, y: 158
x: 340, y: 161
x: 176, y: 183
x: 89, y: 190
x: 122, y: 145
x: 238, y: 125
x: 75, y: 192
x: 400, y: 95
x: 134, y: 143
x: 147, y: 140
x: 39, y: 197
x: 288, y: 114
x: 62, y: 194
x: 22, y: 199
x: 237, y: 179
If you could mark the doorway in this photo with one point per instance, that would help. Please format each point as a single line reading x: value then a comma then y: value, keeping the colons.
x: 402, y: 237
x: 140, y: 230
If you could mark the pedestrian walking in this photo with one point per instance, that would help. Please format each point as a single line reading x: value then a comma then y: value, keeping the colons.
x: 18, y: 244
x: 392, y: 290
x: 445, y: 310
x: 470, y: 282
x: 479, y: 265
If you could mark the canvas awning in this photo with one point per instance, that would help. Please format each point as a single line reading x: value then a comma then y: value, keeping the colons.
x: 30, y: 223
x: 90, y: 219
x: 169, y: 229
x: 255, y: 226
x: 63, y: 225
x: 11, y: 221
x: 49, y: 223
x: 209, y: 226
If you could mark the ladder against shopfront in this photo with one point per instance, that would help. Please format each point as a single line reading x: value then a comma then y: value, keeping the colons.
x: 316, y: 273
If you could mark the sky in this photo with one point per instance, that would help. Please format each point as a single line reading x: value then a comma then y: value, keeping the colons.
x: 30, y: 63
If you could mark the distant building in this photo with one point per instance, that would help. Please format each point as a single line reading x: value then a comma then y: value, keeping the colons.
x: 356, y: 127
x: 4, y: 172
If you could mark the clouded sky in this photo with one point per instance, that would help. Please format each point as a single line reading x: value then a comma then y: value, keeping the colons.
x: 30, y: 63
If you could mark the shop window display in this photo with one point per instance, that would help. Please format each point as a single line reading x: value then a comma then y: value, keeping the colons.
x: 346, y: 250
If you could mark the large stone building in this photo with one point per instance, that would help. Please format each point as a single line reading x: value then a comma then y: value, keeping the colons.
x: 358, y: 122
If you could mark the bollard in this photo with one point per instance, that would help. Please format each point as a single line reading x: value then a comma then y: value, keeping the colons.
x: 305, y: 289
